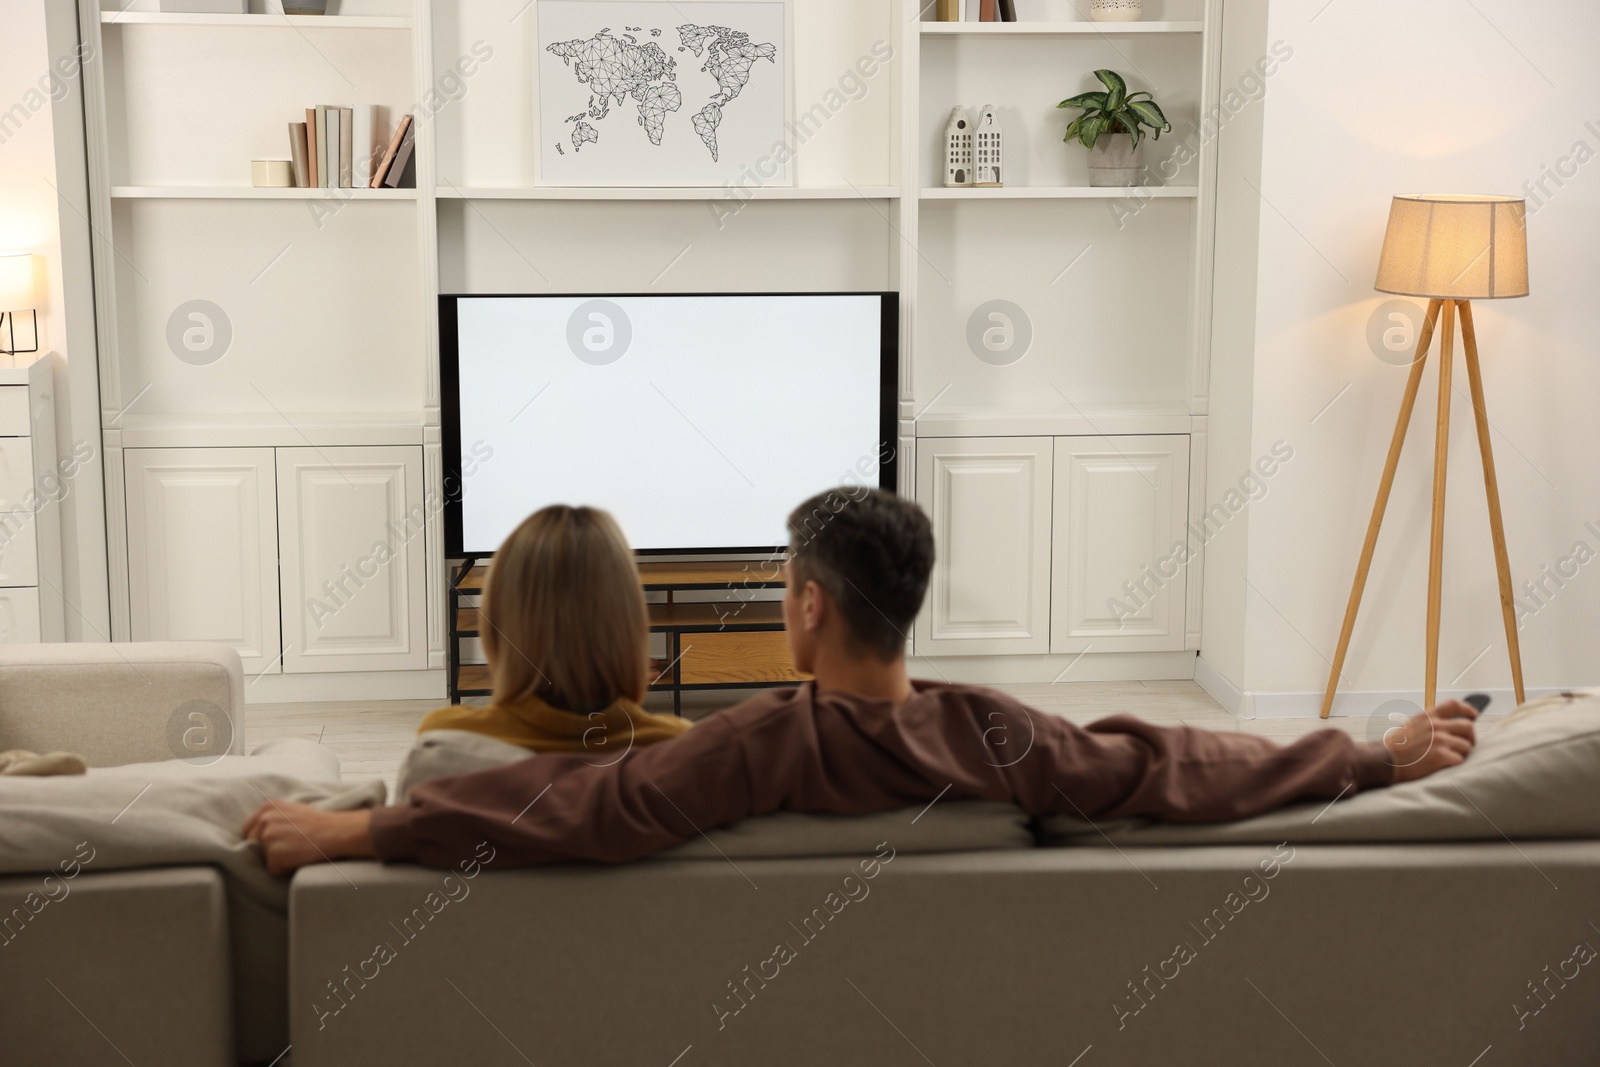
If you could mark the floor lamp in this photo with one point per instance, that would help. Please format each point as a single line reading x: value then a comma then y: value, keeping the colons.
x: 1452, y: 250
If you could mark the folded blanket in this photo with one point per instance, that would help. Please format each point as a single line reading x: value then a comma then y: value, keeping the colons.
x: 170, y: 813
x: 22, y: 763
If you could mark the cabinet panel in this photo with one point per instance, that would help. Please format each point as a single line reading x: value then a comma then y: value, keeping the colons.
x: 16, y: 473
x: 202, y: 565
x: 19, y: 616
x: 351, y: 537
x: 989, y: 499
x: 1118, y: 577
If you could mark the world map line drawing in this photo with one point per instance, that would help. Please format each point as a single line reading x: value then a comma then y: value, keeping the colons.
x: 617, y: 69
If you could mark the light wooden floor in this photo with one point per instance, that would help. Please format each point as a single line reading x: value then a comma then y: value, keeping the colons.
x: 372, y: 737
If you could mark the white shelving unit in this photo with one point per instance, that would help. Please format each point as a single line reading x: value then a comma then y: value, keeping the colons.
x: 254, y: 22
x: 773, y: 192
x: 1041, y: 29
x: 247, y: 192
x: 331, y: 295
x: 1061, y: 192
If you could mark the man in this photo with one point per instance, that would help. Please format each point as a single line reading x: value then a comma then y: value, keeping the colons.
x: 861, y: 737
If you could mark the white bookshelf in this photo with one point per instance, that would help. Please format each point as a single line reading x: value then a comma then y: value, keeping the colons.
x: 333, y: 293
x: 769, y: 192
x: 1043, y: 29
x: 261, y: 21
x: 1062, y: 192
x: 247, y: 192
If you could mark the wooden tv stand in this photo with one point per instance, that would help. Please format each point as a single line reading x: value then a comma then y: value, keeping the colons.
x: 734, y: 644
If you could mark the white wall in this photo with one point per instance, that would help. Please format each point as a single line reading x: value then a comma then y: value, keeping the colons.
x: 44, y: 209
x: 1381, y: 98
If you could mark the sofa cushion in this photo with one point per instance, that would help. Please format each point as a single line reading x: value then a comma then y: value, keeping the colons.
x: 947, y: 826
x: 445, y: 753
x: 1534, y: 774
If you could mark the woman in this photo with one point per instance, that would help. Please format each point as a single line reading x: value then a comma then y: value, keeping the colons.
x: 564, y: 627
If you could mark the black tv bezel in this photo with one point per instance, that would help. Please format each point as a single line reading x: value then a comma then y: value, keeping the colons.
x: 450, y: 406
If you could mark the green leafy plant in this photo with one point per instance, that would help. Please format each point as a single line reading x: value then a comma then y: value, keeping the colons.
x: 1113, y: 111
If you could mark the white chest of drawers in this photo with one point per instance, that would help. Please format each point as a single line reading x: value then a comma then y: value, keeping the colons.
x: 32, y: 485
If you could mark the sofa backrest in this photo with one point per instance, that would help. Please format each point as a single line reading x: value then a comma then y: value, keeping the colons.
x: 122, y: 703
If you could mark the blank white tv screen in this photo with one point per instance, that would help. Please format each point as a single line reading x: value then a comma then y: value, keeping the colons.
x: 699, y: 421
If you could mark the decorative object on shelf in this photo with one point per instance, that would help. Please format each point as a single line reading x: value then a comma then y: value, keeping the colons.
x: 1110, y: 128
x: 988, y: 11
x: 958, y: 148
x: 948, y: 11
x: 1452, y: 250
x: 987, y: 149
x: 1115, y: 10
x: 272, y: 174
x: 17, y: 294
x: 305, y: 7
x: 206, y: 7
x: 704, y: 88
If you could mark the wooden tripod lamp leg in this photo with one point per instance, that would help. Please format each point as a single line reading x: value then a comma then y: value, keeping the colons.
x: 1508, y: 610
x: 1407, y: 403
x: 1441, y: 452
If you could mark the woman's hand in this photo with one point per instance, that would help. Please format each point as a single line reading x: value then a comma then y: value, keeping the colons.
x: 292, y: 836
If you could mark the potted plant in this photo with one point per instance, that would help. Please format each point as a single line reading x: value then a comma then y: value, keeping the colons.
x: 1110, y: 128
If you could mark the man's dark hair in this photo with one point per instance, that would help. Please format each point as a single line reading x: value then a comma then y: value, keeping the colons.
x: 873, y: 552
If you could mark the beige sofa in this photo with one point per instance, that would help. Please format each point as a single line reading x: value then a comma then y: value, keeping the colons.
x: 1361, y: 955
x: 108, y: 967
x: 940, y: 938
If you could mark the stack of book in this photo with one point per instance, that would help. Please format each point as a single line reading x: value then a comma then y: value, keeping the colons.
x: 988, y: 10
x: 349, y: 148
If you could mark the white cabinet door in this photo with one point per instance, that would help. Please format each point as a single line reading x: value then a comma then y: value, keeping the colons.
x: 1120, y: 544
x: 202, y: 559
x: 989, y: 499
x: 350, y: 544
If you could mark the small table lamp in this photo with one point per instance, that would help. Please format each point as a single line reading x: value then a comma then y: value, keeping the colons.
x: 1452, y: 250
x: 16, y: 294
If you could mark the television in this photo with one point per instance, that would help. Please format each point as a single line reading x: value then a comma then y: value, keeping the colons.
x: 698, y: 420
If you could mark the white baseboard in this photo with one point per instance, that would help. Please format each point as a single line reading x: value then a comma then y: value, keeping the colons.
x: 1359, y: 704
x: 1231, y: 697
x: 354, y: 685
x: 1093, y: 667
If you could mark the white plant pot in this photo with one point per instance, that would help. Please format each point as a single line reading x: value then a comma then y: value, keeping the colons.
x: 1114, y: 160
x: 1114, y: 10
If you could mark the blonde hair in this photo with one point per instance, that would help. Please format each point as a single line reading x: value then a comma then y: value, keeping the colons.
x: 563, y: 614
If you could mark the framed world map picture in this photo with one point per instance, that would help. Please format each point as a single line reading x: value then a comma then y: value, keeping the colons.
x: 663, y: 92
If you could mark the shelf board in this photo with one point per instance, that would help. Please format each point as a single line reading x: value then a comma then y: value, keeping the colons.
x: 1063, y: 192
x: 266, y: 430
x: 327, y: 22
x: 247, y: 192
x: 795, y: 192
x: 1042, y: 29
x: 1055, y: 420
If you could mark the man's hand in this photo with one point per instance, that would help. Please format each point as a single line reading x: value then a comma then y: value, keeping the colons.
x: 1438, y: 738
x: 292, y: 836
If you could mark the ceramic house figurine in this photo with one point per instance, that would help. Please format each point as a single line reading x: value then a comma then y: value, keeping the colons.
x: 986, y: 149
x: 958, y: 149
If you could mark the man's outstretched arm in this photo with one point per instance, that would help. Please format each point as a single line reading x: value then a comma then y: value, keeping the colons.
x: 1123, y: 767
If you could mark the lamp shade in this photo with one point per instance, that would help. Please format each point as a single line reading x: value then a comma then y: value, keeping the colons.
x: 16, y: 281
x: 1455, y: 247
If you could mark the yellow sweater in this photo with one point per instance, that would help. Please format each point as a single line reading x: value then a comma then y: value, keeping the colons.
x: 540, y: 727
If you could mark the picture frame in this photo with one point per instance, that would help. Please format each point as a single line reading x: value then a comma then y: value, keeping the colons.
x: 691, y: 127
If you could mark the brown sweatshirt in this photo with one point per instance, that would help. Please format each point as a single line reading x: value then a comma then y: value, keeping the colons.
x: 826, y: 751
